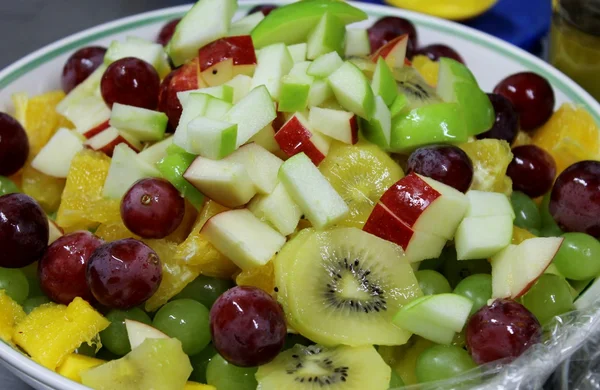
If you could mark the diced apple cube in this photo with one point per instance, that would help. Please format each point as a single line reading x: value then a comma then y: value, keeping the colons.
x: 125, y: 169
x: 243, y: 238
x: 337, y: 124
x: 274, y: 62
x: 295, y: 136
x: 485, y: 204
x: 193, y: 105
x: 156, y: 152
x: 353, y: 90
x: 141, y: 123
x: 226, y: 182
x: 384, y: 84
x: 379, y: 129
x: 278, y: 209
x: 211, y: 138
x: 294, y: 94
x: 357, y: 42
x: 298, y: 52
x: 327, y: 36
x: 252, y: 114
x: 245, y: 25
x: 151, y: 52
x: 108, y: 139
x: 320, y: 92
x: 393, y: 52
x: 138, y: 332
x: 482, y: 237
x: 54, y: 159
x: 87, y: 113
x: 325, y: 65
x: 241, y: 87
x: 262, y: 166
x: 317, y: 199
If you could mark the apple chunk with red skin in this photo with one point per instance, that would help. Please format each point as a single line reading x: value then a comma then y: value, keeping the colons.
x: 337, y: 124
x: 426, y: 205
x: 96, y: 129
x: 226, y: 58
x: 393, y: 52
x: 108, y: 139
x: 518, y: 267
x: 295, y: 136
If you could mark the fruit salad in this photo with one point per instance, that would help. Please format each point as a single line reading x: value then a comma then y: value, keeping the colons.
x: 288, y: 201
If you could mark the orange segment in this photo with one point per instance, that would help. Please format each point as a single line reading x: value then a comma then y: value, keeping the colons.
x: 186, y: 226
x: 523, y: 138
x: 82, y: 204
x: 490, y: 160
x: 47, y: 190
x: 571, y: 135
x: 427, y: 68
x: 113, y: 232
x: 261, y: 277
x: 520, y: 235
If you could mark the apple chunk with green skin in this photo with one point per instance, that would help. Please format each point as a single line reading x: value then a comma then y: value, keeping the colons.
x: 156, y: 152
x: 456, y: 84
x: 487, y: 204
x: 357, y: 43
x: 194, y: 105
x: 353, y: 90
x: 125, y: 169
x: 262, y: 166
x: 378, y: 129
x: 296, y: 136
x: 172, y: 167
x: 255, y: 111
x: 143, y: 124
x: 138, y: 332
x: 243, y: 238
x: 294, y: 94
x: 435, y: 317
x: 325, y: 65
x: 434, y: 123
x: 278, y: 209
x: 207, y: 21
x: 241, y: 87
x: 483, y: 237
x: 225, y: 182
x: 211, y: 138
x: 54, y: 159
x: 298, y: 52
x: 417, y: 246
x: 327, y: 36
x: 293, y: 23
x: 393, y: 52
x: 337, y: 124
x: 516, y: 268
x: 311, y: 191
x: 225, y: 58
x: 245, y: 25
x: 266, y: 139
x: 384, y: 84
x: 274, y: 62
x: 151, y: 52
x: 426, y: 205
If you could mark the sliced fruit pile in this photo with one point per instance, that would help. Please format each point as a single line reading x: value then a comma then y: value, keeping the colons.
x: 301, y: 203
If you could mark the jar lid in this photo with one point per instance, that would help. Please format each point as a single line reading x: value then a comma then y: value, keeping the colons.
x: 584, y: 14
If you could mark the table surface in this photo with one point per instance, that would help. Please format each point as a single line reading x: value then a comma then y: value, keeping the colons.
x: 22, y: 21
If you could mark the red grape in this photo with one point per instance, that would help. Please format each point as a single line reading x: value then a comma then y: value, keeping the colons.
x: 503, y: 330
x: 247, y: 326
x: 62, y: 269
x: 575, y: 199
x: 152, y: 208
x: 80, y: 65
x: 445, y: 163
x: 181, y: 79
x: 390, y: 27
x: 532, y: 96
x: 532, y: 170
x: 14, y: 145
x: 23, y: 231
x: 166, y: 33
x: 130, y: 81
x: 437, y: 51
x: 123, y: 274
x: 506, y: 126
x: 264, y: 8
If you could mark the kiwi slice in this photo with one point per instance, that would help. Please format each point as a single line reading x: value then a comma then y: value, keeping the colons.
x: 344, y: 286
x: 360, y: 173
x: 317, y: 367
x: 418, y: 93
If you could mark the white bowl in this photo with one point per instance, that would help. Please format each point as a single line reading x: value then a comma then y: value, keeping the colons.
x: 489, y: 58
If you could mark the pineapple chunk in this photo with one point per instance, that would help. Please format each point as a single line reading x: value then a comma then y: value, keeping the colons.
x: 11, y: 313
x: 51, y: 332
x: 198, y: 386
x: 155, y: 364
x: 75, y: 364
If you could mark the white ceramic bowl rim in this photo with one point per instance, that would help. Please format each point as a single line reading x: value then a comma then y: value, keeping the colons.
x: 25, y: 65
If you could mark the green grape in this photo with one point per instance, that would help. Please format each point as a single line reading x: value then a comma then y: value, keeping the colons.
x: 205, y: 290
x: 188, y: 321
x: 31, y: 272
x: 477, y: 288
x: 53, y: 215
x: 114, y: 338
x: 456, y: 270
x: 225, y: 376
x: 292, y: 339
x: 442, y: 362
x: 548, y: 297
x: 200, y: 362
x: 14, y: 282
x: 551, y: 231
x: 578, y: 257
x: 86, y: 350
x: 545, y: 216
x: 33, y: 302
x: 434, y: 264
x: 7, y: 186
x: 396, y: 381
x: 432, y: 282
x: 526, y: 211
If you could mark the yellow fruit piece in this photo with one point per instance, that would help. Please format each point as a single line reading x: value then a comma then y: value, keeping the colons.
x: 262, y: 277
x: 11, y: 313
x: 490, y: 160
x: 186, y: 225
x: 360, y: 173
x: 175, y: 275
x: 403, y: 359
x: 571, y: 135
x: 51, y: 332
x: 198, y: 386
x: 520, y: 235
x: 427, y: 68
x: 39, y: 117
x: 197, y: 251
x: 47, y: 190
x: 447, y: 9
x: 523, y: 138
x: 113, y: 232
x: 83, y: 205
x: 75, y: 364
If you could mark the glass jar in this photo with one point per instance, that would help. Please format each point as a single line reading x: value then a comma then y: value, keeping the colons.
x: 575, y: 42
